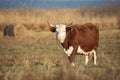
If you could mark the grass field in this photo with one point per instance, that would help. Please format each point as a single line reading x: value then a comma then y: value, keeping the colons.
x: 38, y: 56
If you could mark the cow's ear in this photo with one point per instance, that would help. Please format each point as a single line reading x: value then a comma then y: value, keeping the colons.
x: 52, y: 29
x: 68, y: 28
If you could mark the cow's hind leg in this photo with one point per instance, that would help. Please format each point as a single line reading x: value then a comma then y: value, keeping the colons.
x: 94, y: 57
x: 86, y: 59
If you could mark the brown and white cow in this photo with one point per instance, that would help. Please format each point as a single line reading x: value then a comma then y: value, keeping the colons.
x: 77, y: 39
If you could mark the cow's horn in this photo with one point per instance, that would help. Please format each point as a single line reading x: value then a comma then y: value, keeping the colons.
x: 50, y: 24
x: 70, y: 24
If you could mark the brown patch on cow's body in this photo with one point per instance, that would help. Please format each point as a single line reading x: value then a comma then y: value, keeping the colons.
x: 86, y: 36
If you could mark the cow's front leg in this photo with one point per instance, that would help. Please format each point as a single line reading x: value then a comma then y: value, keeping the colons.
x: 72, y: 56
x: 72, y: 59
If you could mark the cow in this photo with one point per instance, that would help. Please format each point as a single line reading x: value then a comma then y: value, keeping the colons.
x: 8, y: 30
x: 77, y: 39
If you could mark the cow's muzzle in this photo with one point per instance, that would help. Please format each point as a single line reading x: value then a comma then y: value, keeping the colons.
x: 59, y: 38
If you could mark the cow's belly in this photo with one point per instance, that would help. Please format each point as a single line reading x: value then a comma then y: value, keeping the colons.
x: 79, y: 51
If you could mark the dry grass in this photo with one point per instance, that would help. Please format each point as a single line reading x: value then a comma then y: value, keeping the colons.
x: 38, y: 56
x: 20, y: 30
x: 106, y: 17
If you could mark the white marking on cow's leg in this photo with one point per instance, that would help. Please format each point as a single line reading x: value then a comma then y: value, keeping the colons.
x: 86, y: 59
x: 72, y: 64
x: 94, y: 53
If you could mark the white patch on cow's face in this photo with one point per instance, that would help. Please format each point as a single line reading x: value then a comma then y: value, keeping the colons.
x: 69, y: 51
x: 61, y: 32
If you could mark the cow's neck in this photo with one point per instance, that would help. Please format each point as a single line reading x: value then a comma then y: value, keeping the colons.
x: 65, y: 45
x: 67, y: 41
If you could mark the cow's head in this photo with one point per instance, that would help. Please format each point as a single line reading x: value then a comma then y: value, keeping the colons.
x: 60, y: 30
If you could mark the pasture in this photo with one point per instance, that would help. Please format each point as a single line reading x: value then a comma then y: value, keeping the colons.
x: 38, y: 56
